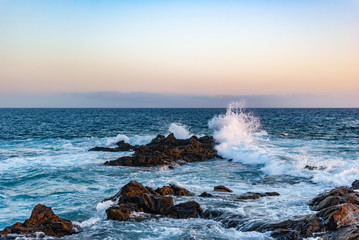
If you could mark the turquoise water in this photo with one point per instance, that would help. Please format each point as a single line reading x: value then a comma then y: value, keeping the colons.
x: 44, y: 159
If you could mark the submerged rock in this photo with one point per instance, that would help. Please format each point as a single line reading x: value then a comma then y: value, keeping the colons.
x: 164, y: 151
x: 134, y: 197
x: 222, y: 188
x: 251, y: 195
x: 205, y: 194
x: 309, y: 167
x: 42, y: 219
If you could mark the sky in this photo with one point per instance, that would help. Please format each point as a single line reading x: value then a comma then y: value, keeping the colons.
x: 198, y: 53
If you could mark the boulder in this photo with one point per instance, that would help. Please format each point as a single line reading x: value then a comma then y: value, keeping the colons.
x: 222, y: 188
x: 339, y: 216
x: 42, y: 219
x: 205, y: 194
x: 355, y: 184
x: 190, y: 209
x: 251, y: 195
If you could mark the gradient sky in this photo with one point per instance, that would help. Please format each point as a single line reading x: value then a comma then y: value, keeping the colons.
x: 258, y: 47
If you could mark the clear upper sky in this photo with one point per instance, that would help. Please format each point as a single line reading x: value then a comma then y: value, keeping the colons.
x: 257, y: 47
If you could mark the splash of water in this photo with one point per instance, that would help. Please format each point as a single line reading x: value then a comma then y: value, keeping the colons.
x: 180, y: 131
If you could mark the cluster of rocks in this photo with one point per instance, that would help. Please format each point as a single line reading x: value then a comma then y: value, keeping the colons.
x: 134, y: 197
x: 337, y: 216
x: 43, y: 221
x: 164, y: 151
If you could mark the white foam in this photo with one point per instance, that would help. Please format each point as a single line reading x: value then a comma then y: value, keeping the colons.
x: 180, y: 131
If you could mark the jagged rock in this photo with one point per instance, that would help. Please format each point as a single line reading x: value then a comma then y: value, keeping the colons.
x: 205, y: 194
x: 190, y: 209
x: 42, y: 219
x: 166, y: 151
x: 134, y: 197
x: 301, y: 227
x: 222, y: 188
x: 251, y: 195
x: 339, y: 216
x: 334, y: 197
x: 355, y: 184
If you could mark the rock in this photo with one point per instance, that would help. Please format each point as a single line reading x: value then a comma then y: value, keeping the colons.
x: 173, y: 190
x: 190, y: 209
x: 222, y: 188
x: 351, y: 235
x: 334, y: 197
x: 309, y: 167
x: 251, y: 195
x: 121, y: 147
x: 135, y: 198
x: 165, y: 151
x: 120, y: 213
x: 205, y: 194
x: 42, y: 219
x: 301, y: 227
x: 339, y: 216
x: 355, y: 184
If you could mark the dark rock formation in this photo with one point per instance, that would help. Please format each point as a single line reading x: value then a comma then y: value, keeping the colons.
x: 309, y: 167
x: 205, y: 194
x: 173, y: 190
x: 355, y: 184
x: 222, y: 188
x: 134, y: 197
x: 337, y: 217
x: 164, y: 151
x: 251, y: 195
x: 42, y: 219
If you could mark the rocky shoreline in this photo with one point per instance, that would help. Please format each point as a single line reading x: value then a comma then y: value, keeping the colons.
x: 336, y: 214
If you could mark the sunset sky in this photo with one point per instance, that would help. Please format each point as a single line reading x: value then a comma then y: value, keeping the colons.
x: 194, y: 48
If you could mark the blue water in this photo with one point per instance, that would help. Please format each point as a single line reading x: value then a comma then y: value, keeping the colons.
x: 44, y: 159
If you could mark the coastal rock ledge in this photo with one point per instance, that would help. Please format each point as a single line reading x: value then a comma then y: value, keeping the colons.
x: 44, y: 221
x: 164, y: 151
x: 134, y: 199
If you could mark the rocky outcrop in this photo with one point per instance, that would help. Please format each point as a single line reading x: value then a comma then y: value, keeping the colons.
x: 164, y: 151
x: 205, y: 194
x: 134, y: 197
x: 251, y: 195
x: 44, y: 220
x: 221, y: 188
x: 355, y: 184
x: 337, y: 216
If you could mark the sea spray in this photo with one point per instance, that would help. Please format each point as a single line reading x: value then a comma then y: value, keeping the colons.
x: 180, y: 131
x: 236, y: 133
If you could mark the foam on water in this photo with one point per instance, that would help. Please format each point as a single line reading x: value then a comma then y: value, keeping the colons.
x: 240, y: 137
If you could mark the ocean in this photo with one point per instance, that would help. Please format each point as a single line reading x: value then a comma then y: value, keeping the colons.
x: 44, y: 158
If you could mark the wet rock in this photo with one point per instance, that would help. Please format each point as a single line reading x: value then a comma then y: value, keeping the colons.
x: 334, y: 197
x: 166, y: 151
x: 190, y: 209
x: 205, y: 194
x: 121, y: 147
x: 42, y: 219
x: 275, y: 179
x: 301, y: 227
x: 350, y: 235
x: 173, y: 190
x: 251, y: 195
x: 309, y: 167
x: 135, y: 198
x: 339, y: 216
x: 222, y: 188
x: 355, y: 184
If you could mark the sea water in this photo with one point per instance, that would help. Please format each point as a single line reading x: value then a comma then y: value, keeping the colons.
x: 44, y: 158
